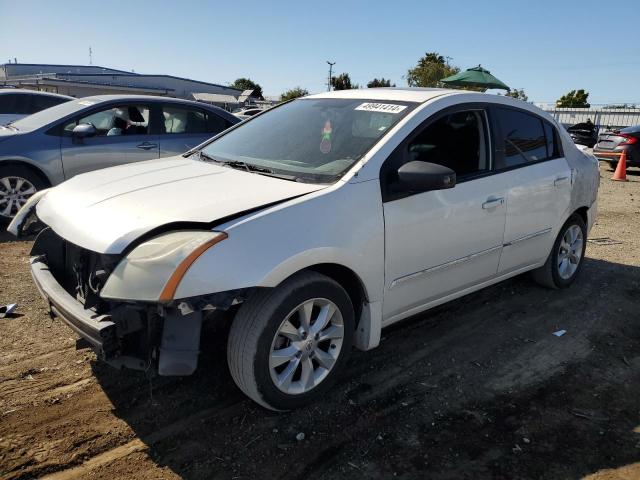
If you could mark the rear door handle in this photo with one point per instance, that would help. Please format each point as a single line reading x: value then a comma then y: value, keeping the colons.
x: 147, y: 145
x: 560, y: 181
x: 492, y: 203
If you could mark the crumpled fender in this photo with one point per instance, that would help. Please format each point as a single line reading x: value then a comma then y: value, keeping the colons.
x: 26, y: 218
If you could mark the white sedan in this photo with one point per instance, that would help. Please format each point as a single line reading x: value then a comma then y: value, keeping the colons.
x: 315, y: 225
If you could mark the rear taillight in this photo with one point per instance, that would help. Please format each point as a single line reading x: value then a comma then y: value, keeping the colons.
x: 628, y: 139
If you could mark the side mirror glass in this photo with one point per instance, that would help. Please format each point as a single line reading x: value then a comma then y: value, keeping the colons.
x: 419, y: 176
x: 84, y: 130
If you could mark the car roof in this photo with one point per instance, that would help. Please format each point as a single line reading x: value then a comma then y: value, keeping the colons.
x: 408, y: 94
x: 139, y: 98
x: 21, y: 91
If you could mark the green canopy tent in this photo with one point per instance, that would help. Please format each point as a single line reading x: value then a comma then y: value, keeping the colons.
x: 476, y: 77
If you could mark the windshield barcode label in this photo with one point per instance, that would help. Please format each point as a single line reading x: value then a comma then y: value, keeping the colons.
x: 381, y: 107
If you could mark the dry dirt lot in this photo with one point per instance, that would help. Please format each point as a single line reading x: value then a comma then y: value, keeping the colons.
x: 478, y: 389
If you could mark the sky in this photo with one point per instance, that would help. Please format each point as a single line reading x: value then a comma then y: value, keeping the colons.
x: 545, y: 47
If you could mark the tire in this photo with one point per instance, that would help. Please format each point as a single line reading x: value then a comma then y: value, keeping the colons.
x: 257, y: 332
x: 12, y: 198
x: 556, y: 272
x: 613, y: 165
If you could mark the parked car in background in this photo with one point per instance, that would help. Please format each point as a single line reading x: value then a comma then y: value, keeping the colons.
x: 16, y: 104
x: 585, y: 133
x: 611, y: 145
x: 245, y: 113
x: 58, y: 143
x: 314, y: 224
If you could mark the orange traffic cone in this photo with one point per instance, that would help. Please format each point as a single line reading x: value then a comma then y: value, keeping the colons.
x: 620, y: 175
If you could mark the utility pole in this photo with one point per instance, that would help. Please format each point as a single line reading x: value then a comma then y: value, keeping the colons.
x: 447, y: 59
x: 90, y: 56
x: 330, y: 70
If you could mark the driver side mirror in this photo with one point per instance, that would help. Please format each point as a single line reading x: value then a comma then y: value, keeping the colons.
x: 84, y: 130
x: 420, y: 176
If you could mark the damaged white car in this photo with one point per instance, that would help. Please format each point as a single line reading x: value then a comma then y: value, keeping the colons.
x: 315, y: 224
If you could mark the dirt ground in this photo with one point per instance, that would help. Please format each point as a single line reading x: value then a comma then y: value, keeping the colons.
x: 479, y: 389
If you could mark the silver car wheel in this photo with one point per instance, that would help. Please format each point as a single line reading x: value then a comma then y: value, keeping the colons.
x: 14, y: 193
x: 306, y: 346
x: 570, y: 252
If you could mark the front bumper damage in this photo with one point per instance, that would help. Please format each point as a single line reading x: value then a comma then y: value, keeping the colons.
x: 163, y: 338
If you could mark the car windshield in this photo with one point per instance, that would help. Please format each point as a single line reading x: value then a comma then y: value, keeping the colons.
x: 309, y: 140
x: 48, y: 115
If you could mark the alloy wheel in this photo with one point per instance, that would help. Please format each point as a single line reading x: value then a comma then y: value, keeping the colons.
x: 306, y: 346
x: 14, y: 193
x: 570, y: 252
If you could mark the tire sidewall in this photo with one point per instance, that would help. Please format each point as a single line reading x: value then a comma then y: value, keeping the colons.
x: 558, y: 280
x: 314, y: 289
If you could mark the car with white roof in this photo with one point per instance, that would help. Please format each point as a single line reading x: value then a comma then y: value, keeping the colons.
x: 313, y: 225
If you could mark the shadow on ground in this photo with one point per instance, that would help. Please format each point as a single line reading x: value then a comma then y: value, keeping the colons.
x: 478, y: 388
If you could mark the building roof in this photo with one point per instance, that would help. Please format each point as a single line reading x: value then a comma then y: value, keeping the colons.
x: 98, y: 71
x: 45, y: 65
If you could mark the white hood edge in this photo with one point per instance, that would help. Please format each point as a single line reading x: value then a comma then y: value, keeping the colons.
x: 105, y: 210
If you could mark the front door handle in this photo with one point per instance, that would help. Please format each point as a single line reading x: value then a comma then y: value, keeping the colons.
x: 560, y: 181
x: 492, y: 203
x: 147, y: 145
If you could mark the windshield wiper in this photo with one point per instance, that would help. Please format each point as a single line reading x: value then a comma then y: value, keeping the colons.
x: 248, y: 167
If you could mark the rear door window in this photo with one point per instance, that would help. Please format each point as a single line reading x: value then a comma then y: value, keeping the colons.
x: 523, y: 136
x: 185, y: 120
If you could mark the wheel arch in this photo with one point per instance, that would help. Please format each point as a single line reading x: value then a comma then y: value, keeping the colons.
x: 30, y: 166
x: 582, y: 212
x: 347, y: 279
x: 368, y: 315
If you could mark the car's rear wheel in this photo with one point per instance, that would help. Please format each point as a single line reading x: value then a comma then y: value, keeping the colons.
x: 566, y: 259
x: 287, y: 344
x: 17, y: 184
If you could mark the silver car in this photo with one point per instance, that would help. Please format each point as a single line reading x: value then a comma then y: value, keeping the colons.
x: 53, y: 145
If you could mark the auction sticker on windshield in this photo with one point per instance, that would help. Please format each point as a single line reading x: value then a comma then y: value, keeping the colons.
x: 381, y: 107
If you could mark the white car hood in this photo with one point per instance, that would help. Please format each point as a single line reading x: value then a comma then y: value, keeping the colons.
x: 105, y: 210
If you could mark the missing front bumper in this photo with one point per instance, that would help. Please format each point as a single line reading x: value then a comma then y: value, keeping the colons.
x: 98, y: 330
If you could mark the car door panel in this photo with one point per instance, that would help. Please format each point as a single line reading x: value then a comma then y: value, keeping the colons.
x: 537, y: 200
x: 102, y: 152
x: 440, y: 242
x: 176, y: 144
x: 540, y: 187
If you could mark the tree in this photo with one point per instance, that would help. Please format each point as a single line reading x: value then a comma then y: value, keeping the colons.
x: 248, y: 84
x: 293, y: 93
x: 343, y: 82
x: 574, y: 99
x: 518, y: 94
x: 430, y: 70
x: 375, y: 83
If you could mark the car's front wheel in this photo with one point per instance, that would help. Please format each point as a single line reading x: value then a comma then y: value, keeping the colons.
x: 566, y: 258
x: 287, y: 344
x: 17, y: 184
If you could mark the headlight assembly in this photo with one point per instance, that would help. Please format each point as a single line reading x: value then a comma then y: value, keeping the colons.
x: 153, y: 270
